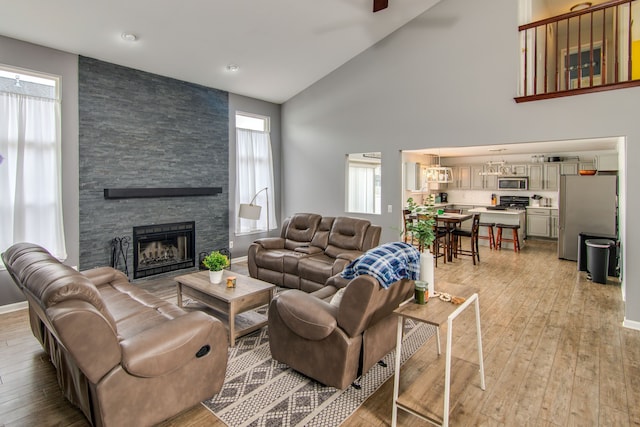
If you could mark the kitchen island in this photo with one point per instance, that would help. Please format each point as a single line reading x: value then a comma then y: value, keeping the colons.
x: 506, y: 216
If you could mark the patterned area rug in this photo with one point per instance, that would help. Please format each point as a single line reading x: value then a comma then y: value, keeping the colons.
x: 258, y: 391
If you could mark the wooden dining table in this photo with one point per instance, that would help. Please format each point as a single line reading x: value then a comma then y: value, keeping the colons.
x: 450, y: 221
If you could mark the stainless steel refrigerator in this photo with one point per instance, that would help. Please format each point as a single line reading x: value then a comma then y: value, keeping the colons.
x: 588, y: 204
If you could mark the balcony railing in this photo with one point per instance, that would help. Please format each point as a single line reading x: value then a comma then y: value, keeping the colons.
x: 579, y: 52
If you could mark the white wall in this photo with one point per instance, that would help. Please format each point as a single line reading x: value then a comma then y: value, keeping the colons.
x: 448, y: 78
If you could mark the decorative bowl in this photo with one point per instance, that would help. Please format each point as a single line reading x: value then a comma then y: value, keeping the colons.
x: 587, y: 172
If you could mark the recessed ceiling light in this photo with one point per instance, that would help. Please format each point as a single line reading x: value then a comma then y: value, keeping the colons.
x: 581, y: 6
x: 130, y: 37
x: 233, y: 68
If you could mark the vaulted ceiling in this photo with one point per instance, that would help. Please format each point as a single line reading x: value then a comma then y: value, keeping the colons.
x: 279, y: 47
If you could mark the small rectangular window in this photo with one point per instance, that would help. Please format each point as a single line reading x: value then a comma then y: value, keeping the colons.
x: 364, y: 186
x: 252, y: 122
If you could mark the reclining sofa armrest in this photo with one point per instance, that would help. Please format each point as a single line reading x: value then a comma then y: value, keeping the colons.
x: 306, y: 315
x: 171, y: 345
x: 309, y: 250
x: 87, y: 335
x: 349, y: 255
x: 271, y: 242
x: 104, y: 275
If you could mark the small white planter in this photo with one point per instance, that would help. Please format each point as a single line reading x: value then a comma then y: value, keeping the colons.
x: 426, y: 270
x: 215, y: 276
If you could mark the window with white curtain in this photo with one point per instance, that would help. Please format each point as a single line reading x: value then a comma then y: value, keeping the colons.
x: 364, y: 183
x: 254, y: 172
x: 30, y: 172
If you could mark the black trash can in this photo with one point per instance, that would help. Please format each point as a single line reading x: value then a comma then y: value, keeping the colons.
x: 598, y: 259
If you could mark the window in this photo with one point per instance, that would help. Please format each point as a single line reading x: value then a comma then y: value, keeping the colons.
x: 30, y: 172
x: 364, y: 183
x: 254, y: 172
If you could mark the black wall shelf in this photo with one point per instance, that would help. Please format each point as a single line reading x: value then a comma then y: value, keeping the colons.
x: 137, y: 193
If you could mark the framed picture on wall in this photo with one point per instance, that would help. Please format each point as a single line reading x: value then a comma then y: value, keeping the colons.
x: 582, y: 65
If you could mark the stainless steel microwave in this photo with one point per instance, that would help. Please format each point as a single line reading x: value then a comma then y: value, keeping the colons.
x: 513, y: 183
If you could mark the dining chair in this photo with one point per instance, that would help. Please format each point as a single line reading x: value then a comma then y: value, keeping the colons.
x: 457, y: 235
x: 407, y: 218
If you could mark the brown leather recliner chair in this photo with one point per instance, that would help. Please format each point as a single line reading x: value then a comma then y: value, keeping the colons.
x: 335, y: 344
x: 122, y: 355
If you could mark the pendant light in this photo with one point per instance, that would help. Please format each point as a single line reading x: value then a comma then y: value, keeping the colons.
x: 438, y: 173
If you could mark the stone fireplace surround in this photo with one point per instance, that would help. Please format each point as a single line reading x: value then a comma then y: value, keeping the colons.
x: 140, y: 130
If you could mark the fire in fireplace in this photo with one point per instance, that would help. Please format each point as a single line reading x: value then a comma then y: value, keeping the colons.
x: 162, y: 248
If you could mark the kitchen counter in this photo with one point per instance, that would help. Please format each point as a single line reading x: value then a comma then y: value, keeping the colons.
x: 498, y: 211
x: 542, y: 207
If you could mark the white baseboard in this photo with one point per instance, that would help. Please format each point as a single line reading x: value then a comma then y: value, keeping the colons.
x: 239, y: 260
x: 631, y: 324
x: 13, y: 307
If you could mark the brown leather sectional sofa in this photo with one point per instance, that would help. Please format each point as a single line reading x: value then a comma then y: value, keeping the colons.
x: 310, y: 250
x: 122, y: 355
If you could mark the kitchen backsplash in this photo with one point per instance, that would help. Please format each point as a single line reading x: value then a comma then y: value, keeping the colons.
x: 466, y: 197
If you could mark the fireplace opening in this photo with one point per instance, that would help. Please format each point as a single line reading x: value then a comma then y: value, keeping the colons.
x: 163, y: 248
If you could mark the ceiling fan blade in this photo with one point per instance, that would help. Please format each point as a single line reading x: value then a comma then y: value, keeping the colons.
x: 380, y: 4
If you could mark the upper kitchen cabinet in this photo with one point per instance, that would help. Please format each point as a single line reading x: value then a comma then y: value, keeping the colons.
x: 535, y: 177
x: 461, y: 177
x: 586, y: 166
x: 480, y: 181
x: 544, y: 176
x: 413, y: 176
x: 519, y: 170
x: 551, y: 176
x: 607, y: 162
x: 568, y: 168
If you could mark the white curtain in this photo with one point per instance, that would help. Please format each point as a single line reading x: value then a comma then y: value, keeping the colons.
x: 254, y: 171
x: 361, y: 188
x: 30, y: 173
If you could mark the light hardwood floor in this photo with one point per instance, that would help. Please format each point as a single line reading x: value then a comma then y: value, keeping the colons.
x: 554, y: 349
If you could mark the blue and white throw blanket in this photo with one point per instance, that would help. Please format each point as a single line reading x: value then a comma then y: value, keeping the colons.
x: 388, y: 263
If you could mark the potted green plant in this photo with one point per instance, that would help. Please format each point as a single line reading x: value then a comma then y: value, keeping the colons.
x: 422, y: 226
x: 216, y: 262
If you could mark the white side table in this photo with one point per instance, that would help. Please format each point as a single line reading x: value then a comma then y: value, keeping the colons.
x: 414, y: 399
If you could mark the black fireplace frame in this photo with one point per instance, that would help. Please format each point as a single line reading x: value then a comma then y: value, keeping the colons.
x: 156, y: 232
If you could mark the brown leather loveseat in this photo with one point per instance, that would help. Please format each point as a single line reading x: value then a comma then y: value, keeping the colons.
x: 310, y: 250
x: 122, y: 355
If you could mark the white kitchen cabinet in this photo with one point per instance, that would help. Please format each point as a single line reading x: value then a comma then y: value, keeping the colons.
x: 544, y: 176
x: 480, y: 181
x: 519, y: 170
x: 551, y: 176
x: 477, y: 180
x: 413, y: 176
x: 538, y: 225
x: 461, y: 177
x: 586, y: 166
x: 607, y: 162
x: 554, y: 223
x: 542, y: 223
x: 490, y: 182
x: 535, y: 177
x: 567, y: 168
